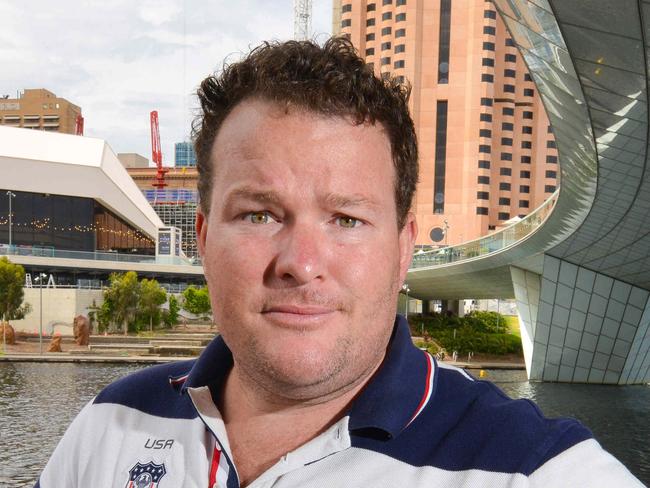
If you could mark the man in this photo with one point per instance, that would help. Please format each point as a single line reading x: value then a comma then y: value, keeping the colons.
x: 308, y: 164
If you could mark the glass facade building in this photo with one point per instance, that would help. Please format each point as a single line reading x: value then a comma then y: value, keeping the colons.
x: 184, y: 155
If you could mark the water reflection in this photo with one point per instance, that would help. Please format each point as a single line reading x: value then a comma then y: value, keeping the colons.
x: 38, y: 401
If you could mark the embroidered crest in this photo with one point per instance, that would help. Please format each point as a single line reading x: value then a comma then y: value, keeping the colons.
x: 146, y: 475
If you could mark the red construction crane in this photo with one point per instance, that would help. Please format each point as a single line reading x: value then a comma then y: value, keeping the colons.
x: 156, y: 153
x: 79, y: 125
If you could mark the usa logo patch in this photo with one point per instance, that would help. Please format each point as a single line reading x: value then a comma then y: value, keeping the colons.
x: 146, y: 475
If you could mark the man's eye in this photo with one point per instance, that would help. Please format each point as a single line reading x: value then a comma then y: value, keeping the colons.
x: 348, y: 222
x: 259, y: 217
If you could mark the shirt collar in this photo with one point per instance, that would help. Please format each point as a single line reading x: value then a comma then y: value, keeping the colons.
x: 400, y: 389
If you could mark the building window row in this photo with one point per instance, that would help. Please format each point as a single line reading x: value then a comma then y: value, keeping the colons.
x: 524, y: 174
x: 550, y: 159
x: 549, y: 188
x: 510, y: 58
x: 489, y: 30
x: 484, y: 164
x: 347, y: 7
x: 386, y: 31
x: 504, y: 186
x: 482, y: 195
x: 525, y: 160
x: 400, y: 48
x: 483, y: 180
x: 443, y: 41
x: 489, y: 14
x: 485, y: 117
x: 481, y: 211
x: 526, y: 144
x: 505, y: 172
x: 551, y: 174
x: 524, y: 204
x: 487, y: 78
x: 400, y: 33
x: 503, y: 216
x: 524, y: 189
x: 398, y: 64
x: 346, y: 23
x: 504, y: 201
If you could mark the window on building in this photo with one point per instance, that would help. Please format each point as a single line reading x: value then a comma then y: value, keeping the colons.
x: 527, y: 77
x: 481, y: 210
x: 489, y: 30
x: 370, y: 22
x: 489, y: 14
x: 484, y: 164
x: 526, y: 129
x: 399, y: 79
x: 482, y: 195
x: 443, y: 41
x: 484, y: 148
x: 485, y: 117
x: 400, y: 2
x: 385, y: 46
x: 485, y: 133
x: 549, y: 188
x: 370, y: 37
x: 486, y: 102
x: 505, y: 171
x: 441, y: 157
x: 524, y: 189
x: 526, y: 144
x: 370, y: 51
x: 510, y: 42
x: 550, y: 144
x: 346, y: 8
x: 527, y: 114
x: 507, y: 126
x: 487, y: 62
x: 503, y: 216
x: 386, y: 31
x: 483, y: 180
x: 508, y: 111
x: 346, y: 22
x: 400, y: 17
x: 551, y: 159
x: 510, y: 58
x: 487, y: 78
x: 400, y: 48
x: 387, y: 16
x: 551, y: 174
x: 400, y: 33
x: 398, y: 64
x: 387, y: 2
x: 549, y: 129
x: 524, y: 204
x: 504, y: 201
x: 525, y: 160
x: 506, y: 141
x: 384, y: 61
x: 371, y: 7
x: 504, y: 186
x: 524, y: 174
x: 509, y: 88
x: 488, y: 46
x: 509, y: 73
x: 529, y: 92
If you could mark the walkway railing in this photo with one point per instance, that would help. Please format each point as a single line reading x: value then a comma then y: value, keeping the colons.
x: 497, y: 241
x: 50, y: 252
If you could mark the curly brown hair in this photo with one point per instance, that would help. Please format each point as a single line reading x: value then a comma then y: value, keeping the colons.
x: 332, y: 80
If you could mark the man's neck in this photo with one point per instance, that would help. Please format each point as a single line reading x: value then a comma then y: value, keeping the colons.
x: 262, y: 427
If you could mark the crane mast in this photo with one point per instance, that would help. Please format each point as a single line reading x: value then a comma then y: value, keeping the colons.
x: 79, y: 125
x: 156, y: 153
x: 301, y: 19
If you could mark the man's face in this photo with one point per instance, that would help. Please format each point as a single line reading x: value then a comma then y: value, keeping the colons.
x: 301, y: 249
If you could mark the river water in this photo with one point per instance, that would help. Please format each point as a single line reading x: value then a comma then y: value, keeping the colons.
x: 38, y: 401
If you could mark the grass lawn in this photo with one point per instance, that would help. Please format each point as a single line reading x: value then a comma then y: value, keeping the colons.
x: 512, y: 321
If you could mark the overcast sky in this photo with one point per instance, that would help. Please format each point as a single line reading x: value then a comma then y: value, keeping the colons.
x: 120, y: 59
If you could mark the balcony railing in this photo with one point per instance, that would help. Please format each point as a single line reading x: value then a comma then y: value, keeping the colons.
x: 497, y: 241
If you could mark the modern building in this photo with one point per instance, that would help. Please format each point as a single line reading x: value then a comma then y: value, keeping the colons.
x: 486, y: 151
x: 133, y: 160
x: 39, y: 109
x: 184, y: 155
x: 176, y: 204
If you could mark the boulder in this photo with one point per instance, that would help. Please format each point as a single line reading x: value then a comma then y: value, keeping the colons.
x: 8, y: 332
x: 55, y: 344
x: 81, y: 330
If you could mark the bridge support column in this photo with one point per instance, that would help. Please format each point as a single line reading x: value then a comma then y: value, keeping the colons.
x: 579, y: 326
x: 456, y: 307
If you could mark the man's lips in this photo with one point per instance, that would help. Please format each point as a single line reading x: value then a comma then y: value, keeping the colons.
x: 298, y: 309
x: 297, y: 315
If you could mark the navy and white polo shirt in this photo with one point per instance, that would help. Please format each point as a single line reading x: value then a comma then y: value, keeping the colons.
x: 418, y: 423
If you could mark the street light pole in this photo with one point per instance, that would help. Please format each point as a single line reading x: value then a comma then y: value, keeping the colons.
x: 11, y: 195
x: 40, y: 328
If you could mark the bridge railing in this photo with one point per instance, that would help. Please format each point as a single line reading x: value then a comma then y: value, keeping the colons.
x: 494, y: 242
x: 51, y: 252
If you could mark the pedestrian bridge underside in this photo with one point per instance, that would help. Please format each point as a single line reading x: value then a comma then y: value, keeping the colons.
x: 579, y: 266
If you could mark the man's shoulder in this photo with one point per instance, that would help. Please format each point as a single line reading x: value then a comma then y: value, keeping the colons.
x: 155, y: 390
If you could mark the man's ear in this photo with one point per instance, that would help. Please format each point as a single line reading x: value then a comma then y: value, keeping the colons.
x: 407, y: 237
x: 201, y: 231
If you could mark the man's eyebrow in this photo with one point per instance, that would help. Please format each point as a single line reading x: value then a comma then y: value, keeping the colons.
x: 253, y: 194
x: 336, y: 200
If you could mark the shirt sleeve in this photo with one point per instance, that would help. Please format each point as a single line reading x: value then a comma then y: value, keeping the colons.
x: 62, y: 469
x: 584, y: 465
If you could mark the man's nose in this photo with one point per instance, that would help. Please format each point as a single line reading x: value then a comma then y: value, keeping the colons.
x: 301, y: 254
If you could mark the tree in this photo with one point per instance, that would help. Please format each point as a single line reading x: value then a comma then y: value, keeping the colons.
x: 197, y: 300
x: 123, y: 295
x: 152, y: 296
x: 171, y: 316
x: 12, y: 280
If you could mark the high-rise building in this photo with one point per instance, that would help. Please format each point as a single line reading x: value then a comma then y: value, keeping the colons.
x: 184, y: 154
x: 486, y: 151
x: 39, y: 109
